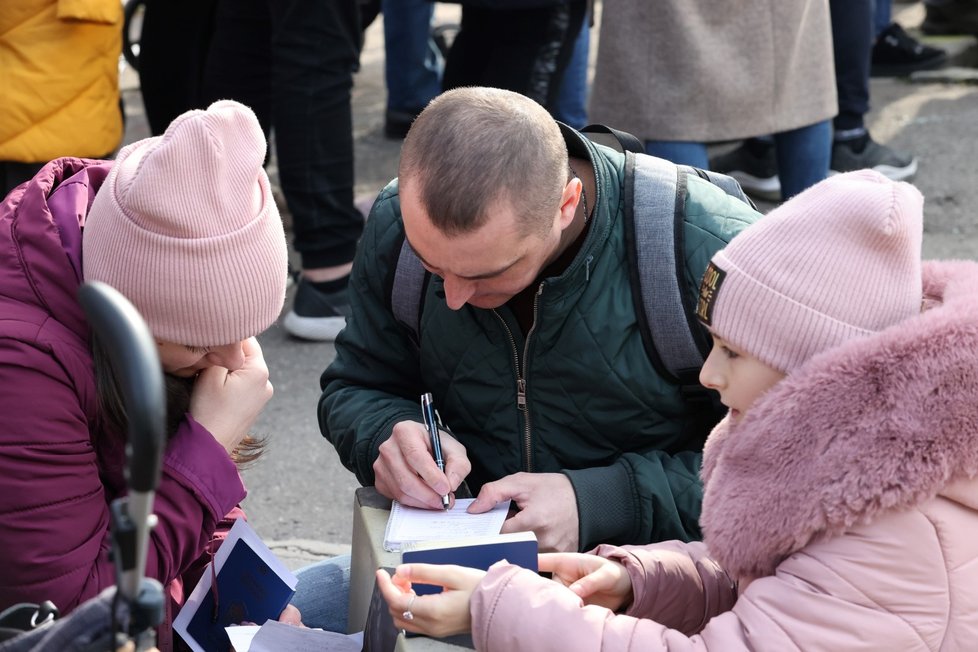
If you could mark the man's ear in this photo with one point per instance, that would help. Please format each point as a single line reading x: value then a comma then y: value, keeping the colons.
x: 569, y: 199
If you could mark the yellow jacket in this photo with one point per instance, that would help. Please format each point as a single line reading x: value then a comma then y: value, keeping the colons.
x: 59, y: 79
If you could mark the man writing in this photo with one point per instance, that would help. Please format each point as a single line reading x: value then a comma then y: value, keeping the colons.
x: 528, y: 334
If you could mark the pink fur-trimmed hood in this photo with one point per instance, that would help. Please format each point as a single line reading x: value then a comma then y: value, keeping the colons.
x: 877, y: 424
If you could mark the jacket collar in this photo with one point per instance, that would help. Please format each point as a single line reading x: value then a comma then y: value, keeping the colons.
x: 45, y: 234
x: 877, y: 424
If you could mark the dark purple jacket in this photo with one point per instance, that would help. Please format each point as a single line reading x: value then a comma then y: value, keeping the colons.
x: 58, y: 470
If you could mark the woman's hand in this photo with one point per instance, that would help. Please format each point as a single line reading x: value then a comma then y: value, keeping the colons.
x: 595, y: 579
x: 439, y: 615
x: 227, y: 403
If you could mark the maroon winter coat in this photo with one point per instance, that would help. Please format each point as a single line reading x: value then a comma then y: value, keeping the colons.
x: 58, y: 470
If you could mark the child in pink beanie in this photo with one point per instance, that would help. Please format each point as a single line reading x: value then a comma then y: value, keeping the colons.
x: 841, y: 500
x: 185, y: 226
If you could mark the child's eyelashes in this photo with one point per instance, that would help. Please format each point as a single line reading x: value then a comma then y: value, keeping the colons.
x: 200, y: 350
x: 731, y: 354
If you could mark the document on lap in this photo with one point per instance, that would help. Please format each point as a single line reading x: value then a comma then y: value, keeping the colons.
x: 410, y: 525
x: 252, y: 586
x: 274, y: 636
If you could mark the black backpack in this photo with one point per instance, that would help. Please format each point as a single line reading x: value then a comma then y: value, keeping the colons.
x: 655, y: 201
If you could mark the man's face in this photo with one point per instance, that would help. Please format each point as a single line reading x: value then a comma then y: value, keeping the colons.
x: 486, y: 267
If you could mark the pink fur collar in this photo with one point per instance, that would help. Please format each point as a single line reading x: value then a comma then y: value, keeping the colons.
x: 877, y: 424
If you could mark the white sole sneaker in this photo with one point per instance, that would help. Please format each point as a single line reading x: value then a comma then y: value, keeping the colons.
x: 769, y: 188
x: 316, y: 329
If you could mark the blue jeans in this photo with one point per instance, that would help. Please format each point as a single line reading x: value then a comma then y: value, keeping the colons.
x: 883, y: 15
x: 570, y: 106
x: 803, y: 156
x: 680, y: 152
x: 323, y: 594
x: 413, y: 63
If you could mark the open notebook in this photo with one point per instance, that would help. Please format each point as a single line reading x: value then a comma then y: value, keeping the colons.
x: 409, y: 525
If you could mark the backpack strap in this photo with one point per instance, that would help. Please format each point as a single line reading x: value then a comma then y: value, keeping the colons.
x: 626, y: 141
x: 656, y: 252
x: 724, y: 182
x: 407, y: 292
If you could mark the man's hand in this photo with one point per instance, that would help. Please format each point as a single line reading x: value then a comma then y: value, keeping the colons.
x: 596, y: 580
x: 405, y: 470
x: 547, y: 506
x: 227, y: 403
x: 441, y: 614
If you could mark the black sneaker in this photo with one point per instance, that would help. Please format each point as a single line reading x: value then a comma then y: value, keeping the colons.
x: 316, y: 315
x: 898, y: 54
x: 954, y: 17
x: 754, y: 165
x: 864, y: 152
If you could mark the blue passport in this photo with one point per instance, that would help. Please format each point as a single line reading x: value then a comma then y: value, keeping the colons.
x: 248, y: 590
x: 518, y: 548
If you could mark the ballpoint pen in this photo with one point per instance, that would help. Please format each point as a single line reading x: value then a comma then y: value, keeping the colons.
x: 428, y: 414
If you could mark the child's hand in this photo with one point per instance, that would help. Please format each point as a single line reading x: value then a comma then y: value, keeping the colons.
x: 227, y: 403
x: 595, y: 579
x: 439, y: 615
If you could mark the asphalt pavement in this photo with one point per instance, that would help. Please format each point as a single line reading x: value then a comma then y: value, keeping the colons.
x: 300, y: 496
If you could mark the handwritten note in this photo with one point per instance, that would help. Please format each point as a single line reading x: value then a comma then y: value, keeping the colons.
x: 408, y: 525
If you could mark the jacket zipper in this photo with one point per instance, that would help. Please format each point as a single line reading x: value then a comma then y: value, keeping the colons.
x: 521, y: 403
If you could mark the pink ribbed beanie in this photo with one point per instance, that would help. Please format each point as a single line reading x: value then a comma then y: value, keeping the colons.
x: 186, y: 228
x: 838, y: 261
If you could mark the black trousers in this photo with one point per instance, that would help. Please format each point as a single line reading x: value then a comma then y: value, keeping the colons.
x: 522, y: 50
x: 292, y: 62
x: 852, y: 37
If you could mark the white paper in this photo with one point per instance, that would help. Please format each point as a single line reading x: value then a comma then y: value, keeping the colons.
x: 275, y: 636
x: 241, y: 636
x: 239, y: 531
x: 407, y: 525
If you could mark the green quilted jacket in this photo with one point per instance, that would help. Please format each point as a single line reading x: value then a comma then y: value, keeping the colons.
x: 595, y: 407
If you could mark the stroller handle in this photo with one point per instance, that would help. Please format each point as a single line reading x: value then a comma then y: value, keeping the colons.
x: 136, y: 363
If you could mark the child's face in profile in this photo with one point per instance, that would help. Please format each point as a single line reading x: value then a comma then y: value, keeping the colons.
x: 739, y: 377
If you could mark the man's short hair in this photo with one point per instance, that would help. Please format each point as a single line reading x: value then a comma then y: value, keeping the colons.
x: 472, y: 147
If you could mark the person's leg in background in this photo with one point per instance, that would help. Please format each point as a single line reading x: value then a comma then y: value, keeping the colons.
x: 754, y: 165
x: 173, y: 46
x: 412, y: 62
x: 882, y: 15
x: 238, y: 64
x: 315, y: 51
x: 679, y: 152
x: 803, y: 157
x: 896, y: 53
x: 522, y: 50
x: 571, y: 104
x: 853, y: 148
x: 323, y: 594
x: 945, y: 17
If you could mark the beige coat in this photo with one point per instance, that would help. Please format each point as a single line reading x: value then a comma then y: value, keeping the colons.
x: 703, y: 70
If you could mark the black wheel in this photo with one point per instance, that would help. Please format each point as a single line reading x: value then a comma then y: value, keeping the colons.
x: 130, y: 47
